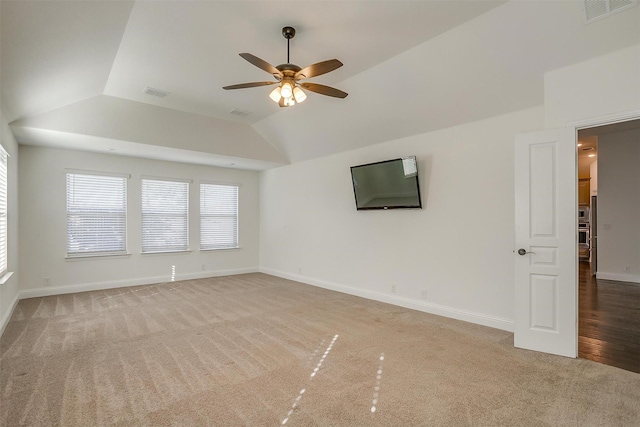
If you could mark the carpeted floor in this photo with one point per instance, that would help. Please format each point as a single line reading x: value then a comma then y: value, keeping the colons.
x: 263, y: 351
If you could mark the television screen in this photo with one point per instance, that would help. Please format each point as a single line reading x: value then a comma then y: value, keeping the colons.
x: 392, y: 184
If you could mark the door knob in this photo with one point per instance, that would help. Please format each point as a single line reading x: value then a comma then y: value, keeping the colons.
x: 524, y: 252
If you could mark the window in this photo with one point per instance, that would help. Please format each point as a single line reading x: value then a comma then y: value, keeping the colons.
x: 218, y: 216
x: 96, y: 215
x: 3, y: 210
x: 165, y: 215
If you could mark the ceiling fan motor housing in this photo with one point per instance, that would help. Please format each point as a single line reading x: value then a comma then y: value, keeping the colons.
x: 288, y: 70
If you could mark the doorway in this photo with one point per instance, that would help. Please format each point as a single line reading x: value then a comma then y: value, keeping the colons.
x: 608, y: 246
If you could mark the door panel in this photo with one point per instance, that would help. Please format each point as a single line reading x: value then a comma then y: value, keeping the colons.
x: 546, y: 228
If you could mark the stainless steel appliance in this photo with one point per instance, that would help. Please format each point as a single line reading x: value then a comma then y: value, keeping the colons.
x: 583, y: 236
x: 583, y: 214
x: 583, y: 240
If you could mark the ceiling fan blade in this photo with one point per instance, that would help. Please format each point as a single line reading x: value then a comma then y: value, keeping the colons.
x: 324, y: 90
x: 318, y: 69
x: 262, y: 64
x: 246, y: 85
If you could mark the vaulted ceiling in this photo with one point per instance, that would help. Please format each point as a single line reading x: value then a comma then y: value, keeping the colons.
x: 73, y: 73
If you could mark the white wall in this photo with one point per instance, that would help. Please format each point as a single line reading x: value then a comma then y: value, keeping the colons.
x: 618, y: 206
x: 458, y: 247
x: 9, y: 290
x: 43, y: 224
x: 603, y: 86
x: 124, y: 120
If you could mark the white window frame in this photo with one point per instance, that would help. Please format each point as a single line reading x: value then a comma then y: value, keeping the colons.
x: 117, y: 217
x: 212, y: 237
x: 154, y: 211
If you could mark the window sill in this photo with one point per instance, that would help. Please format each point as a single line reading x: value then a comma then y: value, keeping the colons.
x: 96, y: 256
x: 188, y: 251
x: 5, y: 277
x: 220, y: 249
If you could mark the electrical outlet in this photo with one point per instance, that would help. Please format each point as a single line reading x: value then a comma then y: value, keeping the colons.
x: 46, y: 281
x: 626, y: 269
x: 204, y: 267
x: 423, y: 294
x: 393, y: 289
x: 299, y: 270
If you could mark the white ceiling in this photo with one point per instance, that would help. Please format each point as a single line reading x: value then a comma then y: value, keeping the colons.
x: 73, y: 72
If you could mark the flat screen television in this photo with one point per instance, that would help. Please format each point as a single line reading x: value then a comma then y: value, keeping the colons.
x: 391, y: 184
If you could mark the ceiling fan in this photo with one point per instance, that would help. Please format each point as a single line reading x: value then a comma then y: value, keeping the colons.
x: 288, y: 76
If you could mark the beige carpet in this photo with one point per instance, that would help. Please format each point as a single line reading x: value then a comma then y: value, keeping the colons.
x: 262, y: 351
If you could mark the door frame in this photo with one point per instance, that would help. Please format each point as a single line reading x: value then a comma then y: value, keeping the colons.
x: 608, y: 119
x: 579, y: 125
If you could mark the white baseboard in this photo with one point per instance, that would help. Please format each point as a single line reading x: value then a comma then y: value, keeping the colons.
x: 5, y: 319
x: 617, y: 277
x: 98, y: 286
x: 424, y: 306
x: 419, y: 305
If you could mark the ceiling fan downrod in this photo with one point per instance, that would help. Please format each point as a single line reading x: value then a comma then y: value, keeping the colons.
x: 288, y: 33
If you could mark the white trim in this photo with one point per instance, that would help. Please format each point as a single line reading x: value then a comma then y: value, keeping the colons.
x: 164, y: 178
x: 441, y: 310
x: 604, y: 120
x: 167, y: 252
x: 424, y: 306
x: 214, y: 182
x: 99, y: 173
x: 96, y: 255
x: 98, y: 286
x: 5, y: 277
x: 623, y: 116
x: 618, y: 277
x: 7, y: 316
x: 220, y: 249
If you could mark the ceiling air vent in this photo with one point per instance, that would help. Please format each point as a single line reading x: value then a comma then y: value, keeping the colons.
x: 155, y: 92
x: 598, y: 9
x: 240, y: 113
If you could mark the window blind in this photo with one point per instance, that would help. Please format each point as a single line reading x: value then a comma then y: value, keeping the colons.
x: 96, y: 215
x: 3, y: 211
x: 165, y: 216
x: 218, y: 216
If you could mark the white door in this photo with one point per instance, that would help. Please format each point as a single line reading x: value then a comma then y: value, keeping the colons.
x: 546, y: 242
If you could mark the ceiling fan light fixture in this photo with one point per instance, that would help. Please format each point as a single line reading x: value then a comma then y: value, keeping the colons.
x: 289, y: 91
x: 286, y: 90
x: 275, y: 94
x: 299, y: 94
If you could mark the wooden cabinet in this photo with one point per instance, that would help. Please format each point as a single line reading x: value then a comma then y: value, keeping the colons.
x: 584, y: 191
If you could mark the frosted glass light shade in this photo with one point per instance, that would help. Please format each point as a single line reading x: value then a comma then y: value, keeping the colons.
x: 286, y: 91
x: 275, y: 94
x: 299, y: 94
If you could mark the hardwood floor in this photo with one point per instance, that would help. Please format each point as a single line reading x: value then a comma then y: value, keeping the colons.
x: 609, y: 321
